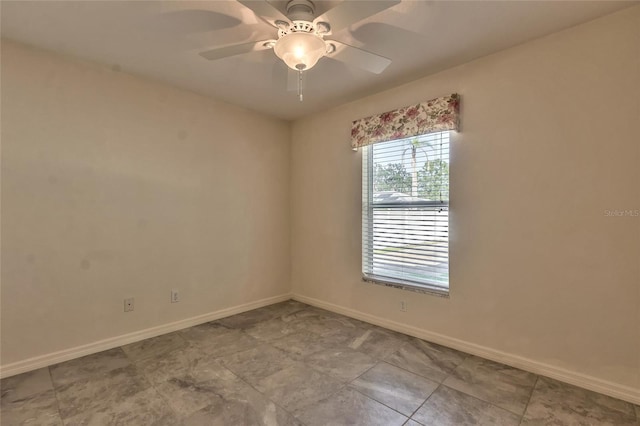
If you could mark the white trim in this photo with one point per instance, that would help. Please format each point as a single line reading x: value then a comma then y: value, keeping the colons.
x: 578, y: 379
x: 113, y: 342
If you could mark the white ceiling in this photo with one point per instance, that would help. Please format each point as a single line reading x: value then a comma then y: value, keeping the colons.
x: 162, y: 39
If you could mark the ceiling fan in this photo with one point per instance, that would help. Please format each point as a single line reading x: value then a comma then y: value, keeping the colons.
x: 300, y: 43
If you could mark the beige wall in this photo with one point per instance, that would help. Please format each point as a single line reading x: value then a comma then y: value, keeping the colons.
x: 550, y: 140
x: 115, y: 186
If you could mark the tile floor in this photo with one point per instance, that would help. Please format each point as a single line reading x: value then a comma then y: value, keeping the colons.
x: 293, y: 364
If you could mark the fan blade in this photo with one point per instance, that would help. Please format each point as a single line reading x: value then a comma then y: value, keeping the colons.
x: 357, y: 57
x: 350, y: 12
x: 237, y: 49
x: 265, y: 11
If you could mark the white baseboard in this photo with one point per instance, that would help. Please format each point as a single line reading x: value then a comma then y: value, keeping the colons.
x: 578, y: 379
x: 113, y: 342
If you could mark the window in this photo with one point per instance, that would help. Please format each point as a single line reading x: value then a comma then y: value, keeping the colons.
x: 405, y: 223
x: 405, y: 170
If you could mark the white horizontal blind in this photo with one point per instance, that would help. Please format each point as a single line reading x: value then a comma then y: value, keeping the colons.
x: 405, y: 214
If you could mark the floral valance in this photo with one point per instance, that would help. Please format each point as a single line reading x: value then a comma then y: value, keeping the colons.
x: 436, y: 115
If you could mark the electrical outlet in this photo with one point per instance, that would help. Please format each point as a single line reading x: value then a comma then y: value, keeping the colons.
x: 175, y: 297
x: 403, y: 306
x: 128, y: 304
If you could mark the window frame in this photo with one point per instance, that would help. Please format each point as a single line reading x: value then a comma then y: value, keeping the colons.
x: 421, y: 287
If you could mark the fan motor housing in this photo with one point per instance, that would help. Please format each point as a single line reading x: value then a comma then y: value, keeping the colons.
x: 300, y: 10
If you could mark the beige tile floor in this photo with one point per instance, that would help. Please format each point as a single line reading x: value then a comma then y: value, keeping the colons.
x: 292, y: 364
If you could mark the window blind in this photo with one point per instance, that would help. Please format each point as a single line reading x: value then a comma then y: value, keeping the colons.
x: 405, y: 235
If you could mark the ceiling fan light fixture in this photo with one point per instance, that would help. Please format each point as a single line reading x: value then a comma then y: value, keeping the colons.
x: 300, y: 51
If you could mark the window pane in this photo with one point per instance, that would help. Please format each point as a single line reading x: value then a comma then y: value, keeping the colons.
x: 405, y: 211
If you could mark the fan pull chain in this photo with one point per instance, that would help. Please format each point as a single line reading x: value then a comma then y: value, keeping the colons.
x: 300, y: 85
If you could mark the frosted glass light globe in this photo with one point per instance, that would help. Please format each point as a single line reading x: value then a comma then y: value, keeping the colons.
x: 300, y: 51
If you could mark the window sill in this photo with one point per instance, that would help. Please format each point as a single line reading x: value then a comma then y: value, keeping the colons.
x: 406, y: 285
